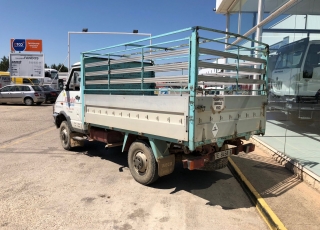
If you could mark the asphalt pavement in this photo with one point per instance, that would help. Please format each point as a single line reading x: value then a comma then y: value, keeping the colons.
x: 45, y: 187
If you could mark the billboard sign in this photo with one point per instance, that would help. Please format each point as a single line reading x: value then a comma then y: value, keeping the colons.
x: 33, y: 45
x: 27, y: 65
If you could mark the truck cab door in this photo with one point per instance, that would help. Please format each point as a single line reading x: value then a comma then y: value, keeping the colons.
x: 73, y: 103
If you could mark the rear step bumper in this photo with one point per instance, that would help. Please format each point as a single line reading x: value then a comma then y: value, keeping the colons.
x: 199, y: 161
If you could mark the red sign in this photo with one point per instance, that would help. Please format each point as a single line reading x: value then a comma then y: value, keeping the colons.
x: 34, y: 45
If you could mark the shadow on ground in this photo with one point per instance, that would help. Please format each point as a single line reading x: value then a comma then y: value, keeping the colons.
x: 268, y: 178
x: 218, y: 188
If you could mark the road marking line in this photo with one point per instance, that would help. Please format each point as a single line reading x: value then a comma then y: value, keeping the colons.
x: 263, y: 208
x: 26, y: 138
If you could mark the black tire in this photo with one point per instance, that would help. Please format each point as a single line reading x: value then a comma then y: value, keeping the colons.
x: 142, y: 163
x: 38, y: 103
x: 28, y: 101
x: 65, y: 135
x: 215, y: 165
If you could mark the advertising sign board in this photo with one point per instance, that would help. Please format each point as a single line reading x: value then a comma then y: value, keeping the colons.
x: 34, y: 45
x: 27, y: 65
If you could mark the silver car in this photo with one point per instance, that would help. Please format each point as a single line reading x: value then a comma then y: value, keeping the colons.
x: 22, y: 94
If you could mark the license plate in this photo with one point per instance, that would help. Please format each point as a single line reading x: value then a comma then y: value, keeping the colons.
x: 222, y: 154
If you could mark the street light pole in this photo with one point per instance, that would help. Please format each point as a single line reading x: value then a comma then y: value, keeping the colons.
x: 114, y: 33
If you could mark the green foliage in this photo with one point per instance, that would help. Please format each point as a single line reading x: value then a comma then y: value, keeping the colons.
x: 4, y: 64
x: 60, y: 67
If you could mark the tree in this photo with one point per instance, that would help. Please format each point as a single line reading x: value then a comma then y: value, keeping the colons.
x: 53, y: 66
x: 4, y: 64
x: 62, y: 68
x: 46, y: 66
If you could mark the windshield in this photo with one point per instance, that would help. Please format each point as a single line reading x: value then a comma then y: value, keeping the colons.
x: 291, y: 55
x: 51, y: 74
x: 54, y: 75
x: 35, y: 81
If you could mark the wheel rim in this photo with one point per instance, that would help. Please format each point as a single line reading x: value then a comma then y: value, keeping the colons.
x: 64, y: 136
x: 28, y: 101
x: 140, y: 162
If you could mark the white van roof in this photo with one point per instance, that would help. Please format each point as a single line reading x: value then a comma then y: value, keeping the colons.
x: 76, y: 64
x: 51, y: 70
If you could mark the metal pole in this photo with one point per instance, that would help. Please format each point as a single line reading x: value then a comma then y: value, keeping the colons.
x: 150, y: 43
x: 68, y: 52
x: 259, y: 19
x: 226, y: 41
x: 273, y: 15
x: 239, y: 19
x: 115, y: 33
x: 258, y: 38
x: 227, y: 28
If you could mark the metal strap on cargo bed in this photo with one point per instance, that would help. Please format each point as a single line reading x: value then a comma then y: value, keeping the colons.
x: 232, y: 55
x: 156, y: 68
x: 179, y: 80
x: 146, y: 57
x: 231, y: 67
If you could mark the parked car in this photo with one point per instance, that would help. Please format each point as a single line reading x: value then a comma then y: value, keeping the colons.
x: 51, y: 94
x: 22, y: 94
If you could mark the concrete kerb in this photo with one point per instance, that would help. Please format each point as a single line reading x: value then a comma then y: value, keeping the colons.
x: 262, y: 207
x: 292, y: 165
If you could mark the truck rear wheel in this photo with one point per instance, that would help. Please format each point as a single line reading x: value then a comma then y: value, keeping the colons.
x: 142, y: 163
x: 65, y: 137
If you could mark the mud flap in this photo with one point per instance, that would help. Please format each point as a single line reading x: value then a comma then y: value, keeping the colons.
x: 75, y: 143
x: 166, y: 165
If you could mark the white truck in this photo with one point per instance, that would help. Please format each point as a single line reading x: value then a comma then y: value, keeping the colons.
x: 295, y: 85
x: 73, y: 75
x: 51, y: 77
x: 118, y: 103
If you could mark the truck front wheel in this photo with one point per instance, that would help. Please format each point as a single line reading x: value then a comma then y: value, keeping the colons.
x: 142, y: 163
x: 65, y: 137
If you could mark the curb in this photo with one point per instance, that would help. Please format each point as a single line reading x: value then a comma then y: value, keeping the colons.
x: 263, y: 208
x: 292, y: 165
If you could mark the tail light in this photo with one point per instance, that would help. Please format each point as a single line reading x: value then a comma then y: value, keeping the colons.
x: 36, y: 94
x: 53, y: 93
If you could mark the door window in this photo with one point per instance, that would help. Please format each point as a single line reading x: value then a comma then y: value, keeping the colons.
x: 25, y: 88
x: 312, y: 60
x: 6, y: 89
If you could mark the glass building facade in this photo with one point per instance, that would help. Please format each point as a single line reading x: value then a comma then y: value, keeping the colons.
x: 291, y: 28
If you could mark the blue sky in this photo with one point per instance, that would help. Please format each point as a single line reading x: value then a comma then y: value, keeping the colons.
x: 52, y: 20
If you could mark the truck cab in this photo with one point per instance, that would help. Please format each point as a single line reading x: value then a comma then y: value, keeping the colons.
x: 51, y: 77
x: 297, y: 69
x: 295, y: 82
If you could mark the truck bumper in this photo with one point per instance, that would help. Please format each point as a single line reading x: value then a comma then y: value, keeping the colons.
x: 200, y: 161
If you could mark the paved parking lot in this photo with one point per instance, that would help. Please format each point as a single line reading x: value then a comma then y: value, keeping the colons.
x: 45, y: 187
